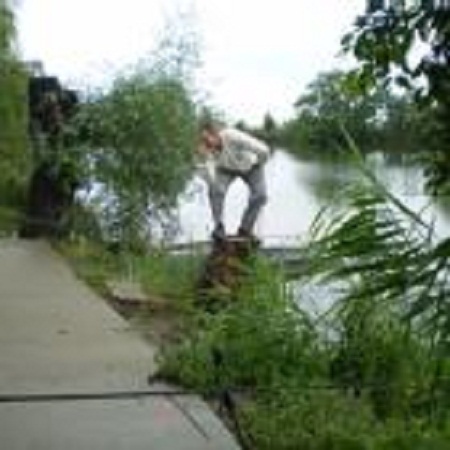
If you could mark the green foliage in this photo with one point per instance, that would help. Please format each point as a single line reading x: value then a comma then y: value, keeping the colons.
x: 13, y: 137
x: 142, y: 135
x: 326, y: 420
x: 310, y: 420
x: 156, y: 274
x: 137, y: 124
x: 376, y: 120
x: 262, y: 340
x: 392, y: 316
x: 153, y: 270
x: 385, y: 251
x: 383, y: 38
x: 320, y: 110
x: 382, y: 41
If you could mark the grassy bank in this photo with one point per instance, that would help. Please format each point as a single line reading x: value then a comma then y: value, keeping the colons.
x: 294, y: 389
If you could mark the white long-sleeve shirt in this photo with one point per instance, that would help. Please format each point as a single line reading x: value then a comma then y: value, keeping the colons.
x: 240, y: 151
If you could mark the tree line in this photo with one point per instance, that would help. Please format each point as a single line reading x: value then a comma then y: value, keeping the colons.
x: 379, y: 120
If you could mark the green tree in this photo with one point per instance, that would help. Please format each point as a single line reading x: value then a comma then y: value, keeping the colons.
x: 141, y: 136
x: 13, y: 136
x: 384, y: 39
x: 327, y: 105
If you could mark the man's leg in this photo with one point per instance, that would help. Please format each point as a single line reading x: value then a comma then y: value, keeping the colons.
x: 217, y: 191
x: 256, y: 182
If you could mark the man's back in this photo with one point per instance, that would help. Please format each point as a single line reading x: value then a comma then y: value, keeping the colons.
x: 240, y: 151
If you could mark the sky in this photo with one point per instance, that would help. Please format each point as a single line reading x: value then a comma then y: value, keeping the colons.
x: 257, y: 55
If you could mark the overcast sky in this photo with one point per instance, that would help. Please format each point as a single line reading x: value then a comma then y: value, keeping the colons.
x: 257, y: 55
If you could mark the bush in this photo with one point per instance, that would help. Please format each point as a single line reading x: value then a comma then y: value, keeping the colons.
x: 260, y: 340
x: 329, y: 420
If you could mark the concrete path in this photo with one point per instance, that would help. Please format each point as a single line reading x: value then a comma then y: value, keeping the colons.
x: 56, y: 338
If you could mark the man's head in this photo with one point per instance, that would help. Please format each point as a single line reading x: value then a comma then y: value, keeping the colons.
x: 210, y: 137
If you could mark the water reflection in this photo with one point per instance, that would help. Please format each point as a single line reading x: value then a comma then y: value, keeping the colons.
x: 298, y: 189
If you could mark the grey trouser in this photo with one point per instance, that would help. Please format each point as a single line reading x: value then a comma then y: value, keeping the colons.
x: 256, y: 183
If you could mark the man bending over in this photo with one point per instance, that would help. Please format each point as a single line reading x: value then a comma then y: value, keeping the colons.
x: 234, y: 154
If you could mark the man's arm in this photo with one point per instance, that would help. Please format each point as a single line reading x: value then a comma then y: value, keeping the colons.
x: 205, y: 164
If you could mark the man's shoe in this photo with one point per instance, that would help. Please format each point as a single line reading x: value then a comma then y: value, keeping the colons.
x: 248, y: 236
x: 218, y: 234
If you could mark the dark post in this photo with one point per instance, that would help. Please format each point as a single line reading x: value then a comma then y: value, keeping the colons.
x: 52, y: 183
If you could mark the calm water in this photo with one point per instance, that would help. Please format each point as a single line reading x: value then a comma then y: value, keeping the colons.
x: 297, y: 190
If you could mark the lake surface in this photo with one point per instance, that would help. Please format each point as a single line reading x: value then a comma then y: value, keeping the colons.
x: 298, y: 189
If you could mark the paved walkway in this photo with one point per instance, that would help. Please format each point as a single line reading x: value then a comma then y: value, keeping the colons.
x: 57, y: 337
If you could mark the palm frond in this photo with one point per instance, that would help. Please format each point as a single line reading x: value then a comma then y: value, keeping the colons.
x: 385, y: 254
